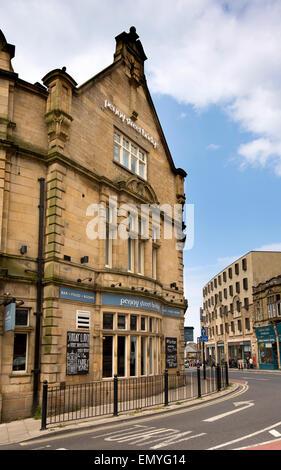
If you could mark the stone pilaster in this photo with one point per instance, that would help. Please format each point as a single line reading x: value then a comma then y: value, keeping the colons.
x: 58, y: 113
x: 55, y: 211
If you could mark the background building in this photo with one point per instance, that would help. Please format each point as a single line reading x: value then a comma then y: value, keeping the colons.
x: 267, y: 322
x: 77, y: 307
x: 228, y: 307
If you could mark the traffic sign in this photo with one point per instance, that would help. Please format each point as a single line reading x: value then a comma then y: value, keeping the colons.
x: 204, y: 339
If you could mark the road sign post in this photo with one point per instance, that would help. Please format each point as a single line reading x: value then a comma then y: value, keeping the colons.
x: 203, y: 339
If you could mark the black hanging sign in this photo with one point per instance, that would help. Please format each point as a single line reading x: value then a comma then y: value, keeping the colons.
x: 77, y: 354
x: 171, y: 353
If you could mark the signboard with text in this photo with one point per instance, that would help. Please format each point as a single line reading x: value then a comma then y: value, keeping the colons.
x: 10, y: 316
x: 171, y: 353
x: 77, y: 353
x: 77, y: 295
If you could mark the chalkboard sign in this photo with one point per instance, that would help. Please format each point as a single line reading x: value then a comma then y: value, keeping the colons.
x: 171, y: 353
x: 77, y: 354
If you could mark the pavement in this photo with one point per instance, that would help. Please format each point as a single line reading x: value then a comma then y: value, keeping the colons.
x: 30, y: 428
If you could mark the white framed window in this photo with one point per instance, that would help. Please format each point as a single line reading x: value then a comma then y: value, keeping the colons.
x: 140, y: 257
x: 154, y: 263
x: 271, y: 306
x: 143, y: 355
x: 151, y: 356
x: 108, y: 238
x: 20, y: 351
x: 131, y: 255
x: 133, y: 355
x: 258, y: 311
x: 129, y: 155
x: 278, y: 305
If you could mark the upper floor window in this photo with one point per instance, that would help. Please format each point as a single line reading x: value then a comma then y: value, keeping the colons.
x: 244, y: 264
x: 278, y: 305
x: 130, y: 155
x: 271, y: 306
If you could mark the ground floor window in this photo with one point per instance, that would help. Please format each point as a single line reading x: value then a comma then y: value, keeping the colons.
x: 133, y: 356
x: 268, y: 353
x: 107, y: 356
x: 121, y: 355
x: 20, y: 352
x: 131, y: 344
x: 143, y: 355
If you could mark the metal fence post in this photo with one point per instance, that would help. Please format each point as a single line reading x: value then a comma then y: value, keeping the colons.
x: 166, y: 389
x: 226, y: 374
x: 218, y: 377
x: 199, y: 381
x: 115, y: 395
x: 44, y: 406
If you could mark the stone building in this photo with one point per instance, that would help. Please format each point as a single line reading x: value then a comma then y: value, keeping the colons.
x: 81, y: 166
x: 267, y: 322
x: 228, y: 312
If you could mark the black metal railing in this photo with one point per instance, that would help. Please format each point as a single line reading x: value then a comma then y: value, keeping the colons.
x: 110, y: 397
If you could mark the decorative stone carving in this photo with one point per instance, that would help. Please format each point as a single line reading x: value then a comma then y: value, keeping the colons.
x: 139, y: 188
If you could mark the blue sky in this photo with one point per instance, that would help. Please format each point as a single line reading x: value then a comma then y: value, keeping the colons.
x: 236, y: 209
x: 213, y: 70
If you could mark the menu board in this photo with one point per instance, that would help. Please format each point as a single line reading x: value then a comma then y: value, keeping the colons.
x: 77, y: 353
x: 171, y: 353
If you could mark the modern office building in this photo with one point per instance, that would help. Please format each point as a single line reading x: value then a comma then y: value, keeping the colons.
x: 228, y: 311
x: 91, y: 241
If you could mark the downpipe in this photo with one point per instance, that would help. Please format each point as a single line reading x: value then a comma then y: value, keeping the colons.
x: 38, y: 313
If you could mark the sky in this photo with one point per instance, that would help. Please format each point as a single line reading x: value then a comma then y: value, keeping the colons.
x: 214, y: 73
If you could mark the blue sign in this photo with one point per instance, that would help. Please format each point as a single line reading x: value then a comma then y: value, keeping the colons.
x: 188, y: 334
x: 10, y: 316
x: 204, y: 339
x: 77, y: 295
x: 132, y: 302
x: 265, y: 333
x: 173, y: 312
x: 203, y: 331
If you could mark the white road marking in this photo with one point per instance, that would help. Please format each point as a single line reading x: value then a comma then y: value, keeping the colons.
x: 141, y: 436
x: 247, y: 404
x: 257, y: 445
x: 176, y: 440
x: 155, y: 437
x: 275, y: 433
x: 246, y: 437
x: 254, y: 378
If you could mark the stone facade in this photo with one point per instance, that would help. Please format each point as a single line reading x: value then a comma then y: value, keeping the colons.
x: 267, y: 322
x: 59, y: 157
x: 228, y: 311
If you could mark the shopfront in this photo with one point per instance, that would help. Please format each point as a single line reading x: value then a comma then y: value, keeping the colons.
x: 221, y: 353
x: 211, y: 354
x: 239, y: 351
x: 267, y: 347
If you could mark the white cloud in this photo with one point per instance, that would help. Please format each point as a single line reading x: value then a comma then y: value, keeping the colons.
x: 182, y: 115
x: 270, y: 247
x: 201, y: 52
x: 213, y: 147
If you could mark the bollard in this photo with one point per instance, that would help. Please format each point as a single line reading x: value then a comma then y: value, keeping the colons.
x: 226, y: 374
x: 166, y: 388
x: 218, y: 378
x: 115, y: 395
x: 44, y: 406
x: 198, y: 381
